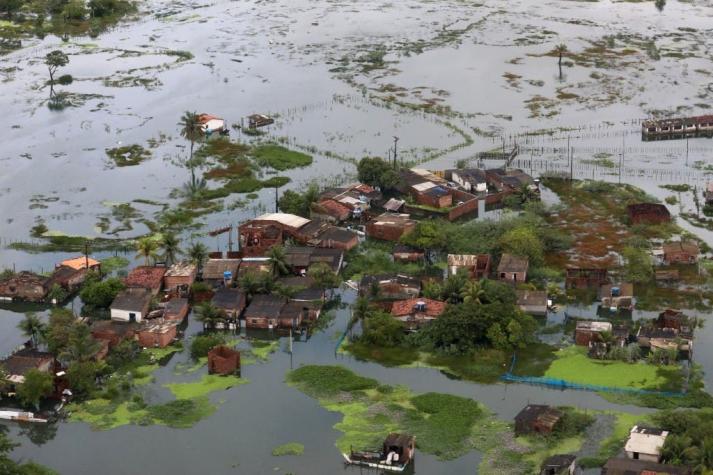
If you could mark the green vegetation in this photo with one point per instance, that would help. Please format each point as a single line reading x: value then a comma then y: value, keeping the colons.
x: 294, y: 202
x: 114, y: 263
x: 681, y: 188
x: 280, y: 158
x: 377, y: 172
x: 128, y: 155
x: 202, y: 344
x: 573, y: 364
x: 291, y: 448
x: 101, y: 293
x: 209, y: 383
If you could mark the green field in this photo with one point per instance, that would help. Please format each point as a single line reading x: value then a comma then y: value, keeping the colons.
x: 572, y: 364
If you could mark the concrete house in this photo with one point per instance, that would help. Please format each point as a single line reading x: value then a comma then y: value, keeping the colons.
x: 264, y: 311
x: 18, y: 364
x: 430, y: 194
x: 219, y: 272
x: 131, y: 305
x: 157, y: 333
x: 389, y: 287
x: 681, y: 252
x: 645, y: 443
x: 113, y: 332
x: 67, y: 277
x: 231, y: 301
x: 513, y: 268
x: 224, y: 361
x: 477, y: 266
x: 588, y: 332
x: 179, y: 277
x: 390, y: 226
x: 472, y: 180
x: 532, y: 302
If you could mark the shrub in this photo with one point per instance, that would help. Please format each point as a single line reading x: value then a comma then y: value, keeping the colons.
x: 202, y: 344
x: 329, y: 380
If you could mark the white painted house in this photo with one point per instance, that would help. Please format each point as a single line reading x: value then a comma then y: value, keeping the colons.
x: 211, y: 124
x: 645, y: 443
x: 472, y: 180
x: 131, y: 305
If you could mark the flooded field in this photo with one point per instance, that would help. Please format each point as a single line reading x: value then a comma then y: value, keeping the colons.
x: 448, y: 78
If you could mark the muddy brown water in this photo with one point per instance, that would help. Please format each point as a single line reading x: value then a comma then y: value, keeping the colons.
x: 276, y: 57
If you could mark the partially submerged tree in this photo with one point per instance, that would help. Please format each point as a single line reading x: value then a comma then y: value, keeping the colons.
x: 37, y: 386
x: 561, y: 49
x: 81, y: 346
x: 54, y: 60
x: 32, y: 327
x: 192, y: 131
x: 324, y: 276
x: 209, y: 315
x: 278, y: 260
x: 171, y: 246
x: 198, y: 253
x: 147, y: 248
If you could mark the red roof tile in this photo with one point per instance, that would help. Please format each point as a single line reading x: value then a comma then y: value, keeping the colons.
x: 146, y: 277
x: 434, y: 308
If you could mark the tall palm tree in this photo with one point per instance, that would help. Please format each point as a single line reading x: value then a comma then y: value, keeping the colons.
x: 147, y: 248
x: 170, y: 244
x: 198, y: 252
x: 249, y: 283
x: 32, y: 327
x: 473, y: 292
x: 191, y: 130
x: 561, y: 49
x: 278, y: 260
x: 81, y: 346
x: 209, y: 315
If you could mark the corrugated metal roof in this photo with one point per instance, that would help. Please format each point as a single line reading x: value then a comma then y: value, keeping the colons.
x: 291, y: 220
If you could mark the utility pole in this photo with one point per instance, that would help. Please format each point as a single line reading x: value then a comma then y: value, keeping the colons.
x: 686, y: 151
x: 396, y: 141
x: 571, y: 165
x: 276, y: 207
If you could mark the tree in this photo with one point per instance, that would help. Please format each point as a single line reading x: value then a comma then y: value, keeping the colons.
x: 378, y: 173
x: 299, y: 203
x: 192, y: 131
x: 147, y: 248
x: 54, y: 60
x: 101, y: 294
x: 427, y: 235
x: 36, y: 386
x: 639, y: 265
x: 32, y: 327
x: 381, y: 329
x: 473, y: 292
x: 81, y: 346
x: 170, y: 244
x: 323, y: 276
x: 696, y: 201
x: 57, y: 294
x: 82, y: 377
x: 74, y: 10
x: 660, y: 4
x: 278, y: 260
x: 198, y: 254
x: 10, y: 7
x: 360, y: 309
x: 249, y: 283
x: 59, y: 328
x: 560, y: 49
x: 523, y: 241
x: 209, y: 315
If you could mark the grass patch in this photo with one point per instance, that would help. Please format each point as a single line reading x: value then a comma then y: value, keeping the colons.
x: 291, y: 448
x: 263, y: 349
x: 128, y: 155
x: 209, y: 383
x: 387, y: 356
x: 573, y: 364
x: 280, y: 158
x: 326, y: 381
x: 181, y: 413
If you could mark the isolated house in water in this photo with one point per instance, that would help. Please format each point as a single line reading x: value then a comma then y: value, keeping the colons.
x: 223, y: 360
x: 131, y: 305
x: 648, y: 213
x: 538, y: 419
x: 18, y: 364
x: 24, y: 286
x: 231, y: 301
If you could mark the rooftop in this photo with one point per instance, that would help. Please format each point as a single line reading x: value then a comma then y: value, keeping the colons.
x: 289, y: 220
x: 688, y: 247
x: 181, y: 269
x: 393, y: 219
x: 510, y: 263
x: 531, y: 297
x: 80, y: 262
x: 24, y: 360
x: 645, y: 440
x: 466, y: 260
x: 265, y: 306
x: 229, y: 299
x: 215, y: 268
x: 132, y: 299
x: 432, y: 308
x: 145, y: 276
x: 625, y: 466
x: 594, y: 326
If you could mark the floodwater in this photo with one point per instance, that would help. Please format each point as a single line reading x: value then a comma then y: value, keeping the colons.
x: 304, y: 62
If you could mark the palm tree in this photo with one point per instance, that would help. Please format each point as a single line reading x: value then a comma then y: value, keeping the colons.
x: 198, y: 253
x: 32, y: 327
x: 170, y: 246
x: 278, y: 260
x: 560, y: 49
x: 209, y: 315
x: 473, y: 292
x: 147, y: 248
x: 81, y: 345
x: 360, y: 310
x: 249, y: 283
x: 287, y: 291
x: 192, y: 131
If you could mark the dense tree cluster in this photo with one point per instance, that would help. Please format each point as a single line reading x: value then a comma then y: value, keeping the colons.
x: 294, y: 202
x: 378, y: 173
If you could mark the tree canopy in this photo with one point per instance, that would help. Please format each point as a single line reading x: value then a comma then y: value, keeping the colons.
x: 377, y: 172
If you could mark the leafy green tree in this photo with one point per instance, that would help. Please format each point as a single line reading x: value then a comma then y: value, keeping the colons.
x: 209, y: 315
x: 10, y: 7
x: 561, y: 49
x: 147, y: 247
x: 292, y: 202
x: 278, y: 260
x: 74, y: 10
x: 453, y: 286
x: 498, y: 338
x: 101, y: 294
x: 433, y: 290
x: 192, y: 131
x: 171, y: 247
x: 54, y: 60
x: 36, y: 386
x: 81, y: 346
x: 32, y: 327
x: 59, y: 328
x: 323, y: 276
x: 427, y: 235
x: 202, y: 344
x: 57, y: 294
x: 82, y: 377
x: 382, y: 329
x: 639, y: 265
x: 523, y: 241
x: 360, y: 309
x: 378, y: 173
x: 473, y: 292
x: 198, y: 254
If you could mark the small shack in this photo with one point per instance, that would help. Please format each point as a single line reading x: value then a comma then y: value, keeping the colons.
x: 404, y: 253
x: 224, y: 361
x: 218, y: 272
x: 259, y: 120
x: 617, y: 296
x: 535, y: 418
x: 532, y: 302
x: 264, y: 311
x: 146, y: 277
x: 417, y: 312
x: 648, y: 213
x: 645, y: 443
x: 179, y: 277
x: 67, y: 277
x: 681, y: 252
x: 330, y: 210
x: 390, y: 226
x: 585, y: 278
x: 131, y: 305
x: 157, y: 333
x: 589, y: 331
x: 476, y: 266
x: 561, y: 464
x: 512, y: 268
x: 176, y: 309
x: 231, y: 301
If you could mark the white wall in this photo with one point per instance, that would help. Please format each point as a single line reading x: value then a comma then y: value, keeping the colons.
x: 123, y: 315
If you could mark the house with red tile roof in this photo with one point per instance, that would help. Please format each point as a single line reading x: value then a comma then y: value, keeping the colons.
x: 146, y: 277
x: 417, y: 312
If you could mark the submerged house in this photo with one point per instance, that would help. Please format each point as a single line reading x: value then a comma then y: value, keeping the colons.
x: 472, y: 180
x: 301, y: 258
x: 131, y: 305
x: 264, y: 311
x: 681, y: 252
x: 18, y: 364
x: 617, y: 297
x: 231, y: 301
x: 585, y: 278
x: 223, y: 360
x: 535, y: 418
x: 512, y: 268
x: 653, y: 338
x: 645, y: 443
x: 390, y: 226
x: 561, y: 464
x: 26, y: 286
x: 211, y: 124
x: 477, y: 266
x: 417, y: 312
x: 112, y: 332
x: 221, y: 272
x: 68, y: 278
x: 648, y: 213
x: 532, y: 302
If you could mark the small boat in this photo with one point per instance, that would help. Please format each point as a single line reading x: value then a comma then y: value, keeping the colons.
x: 397, y: 453
x: 20, y: 416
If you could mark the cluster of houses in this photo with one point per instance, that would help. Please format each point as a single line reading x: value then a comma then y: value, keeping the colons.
x: 641, y: 454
